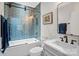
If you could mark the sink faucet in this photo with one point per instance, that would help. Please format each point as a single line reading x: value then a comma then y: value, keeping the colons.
x: 72, y: 41
x: 66, y: 39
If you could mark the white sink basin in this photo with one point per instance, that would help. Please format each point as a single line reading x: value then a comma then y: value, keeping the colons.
x: 69, y: 49
x: 63, y: 47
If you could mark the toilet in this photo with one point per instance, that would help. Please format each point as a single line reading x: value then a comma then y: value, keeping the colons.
x: 36, y: 51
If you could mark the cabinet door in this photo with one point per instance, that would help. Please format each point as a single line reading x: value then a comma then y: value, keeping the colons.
x: 74, y: 23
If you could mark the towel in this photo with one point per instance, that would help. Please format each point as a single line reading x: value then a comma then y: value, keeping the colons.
x: 4, y: 34
x: 62, y: 28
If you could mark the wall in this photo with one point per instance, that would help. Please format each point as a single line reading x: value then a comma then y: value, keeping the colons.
x: 49, y: 31
x: 1, y: 13
x: 1, y: 8
x: 75, y: 19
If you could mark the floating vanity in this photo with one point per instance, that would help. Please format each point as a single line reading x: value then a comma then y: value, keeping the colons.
x: 58, y: 48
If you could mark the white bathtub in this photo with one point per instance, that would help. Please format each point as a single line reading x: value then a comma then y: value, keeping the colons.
x: 23, y: 41
x: 21, y: 47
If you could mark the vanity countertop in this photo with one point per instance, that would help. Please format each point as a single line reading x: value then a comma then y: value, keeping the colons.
x: 65, y: 48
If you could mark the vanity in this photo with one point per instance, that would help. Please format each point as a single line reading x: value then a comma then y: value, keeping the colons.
x: 56, y: 47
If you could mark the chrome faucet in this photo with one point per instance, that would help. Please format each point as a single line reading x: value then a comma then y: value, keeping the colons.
x: 72, y: 41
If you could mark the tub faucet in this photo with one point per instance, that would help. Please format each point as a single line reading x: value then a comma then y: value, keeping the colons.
x: 66, y: 39
x: 72, y: 41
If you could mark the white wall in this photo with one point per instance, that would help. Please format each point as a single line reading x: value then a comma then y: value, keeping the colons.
x: 50, y: 30
x: 75, y: 19
x: 1, y: 8
x: 1, y: 13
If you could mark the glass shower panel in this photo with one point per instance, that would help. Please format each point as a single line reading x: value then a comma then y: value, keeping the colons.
x: 16, y: 29
x: 18, y: 23
x: 37, y: 23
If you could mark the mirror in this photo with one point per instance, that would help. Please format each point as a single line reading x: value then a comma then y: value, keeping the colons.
x: 68, y: 13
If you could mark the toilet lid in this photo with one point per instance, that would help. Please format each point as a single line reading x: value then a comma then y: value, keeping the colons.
x: 36, y: 49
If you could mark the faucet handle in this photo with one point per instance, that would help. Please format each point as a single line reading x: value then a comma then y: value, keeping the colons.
x: 72, y: 41
x: 61, y: 38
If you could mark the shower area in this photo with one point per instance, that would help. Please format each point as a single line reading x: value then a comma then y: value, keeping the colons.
x: 24, y: 21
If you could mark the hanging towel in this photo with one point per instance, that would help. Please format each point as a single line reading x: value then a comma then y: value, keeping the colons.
x: 4, y: 34
x: 62, y: 28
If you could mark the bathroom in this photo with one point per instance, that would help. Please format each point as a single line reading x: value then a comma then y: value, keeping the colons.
x: 33, y: 29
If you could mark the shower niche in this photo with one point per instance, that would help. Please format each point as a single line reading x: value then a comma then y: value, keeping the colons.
x: 68, y: 12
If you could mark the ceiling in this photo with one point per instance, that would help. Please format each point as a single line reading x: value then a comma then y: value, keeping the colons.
x: 31, y: 4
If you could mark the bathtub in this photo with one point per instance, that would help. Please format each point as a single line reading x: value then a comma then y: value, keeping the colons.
x: 21, y: 47
x: 23, y: 41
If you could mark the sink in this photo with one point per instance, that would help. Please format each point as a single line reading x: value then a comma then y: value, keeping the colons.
x: 63, y: 47
x: 68, y: 48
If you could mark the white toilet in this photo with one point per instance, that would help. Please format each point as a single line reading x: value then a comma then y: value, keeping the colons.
x: 36, y: 51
